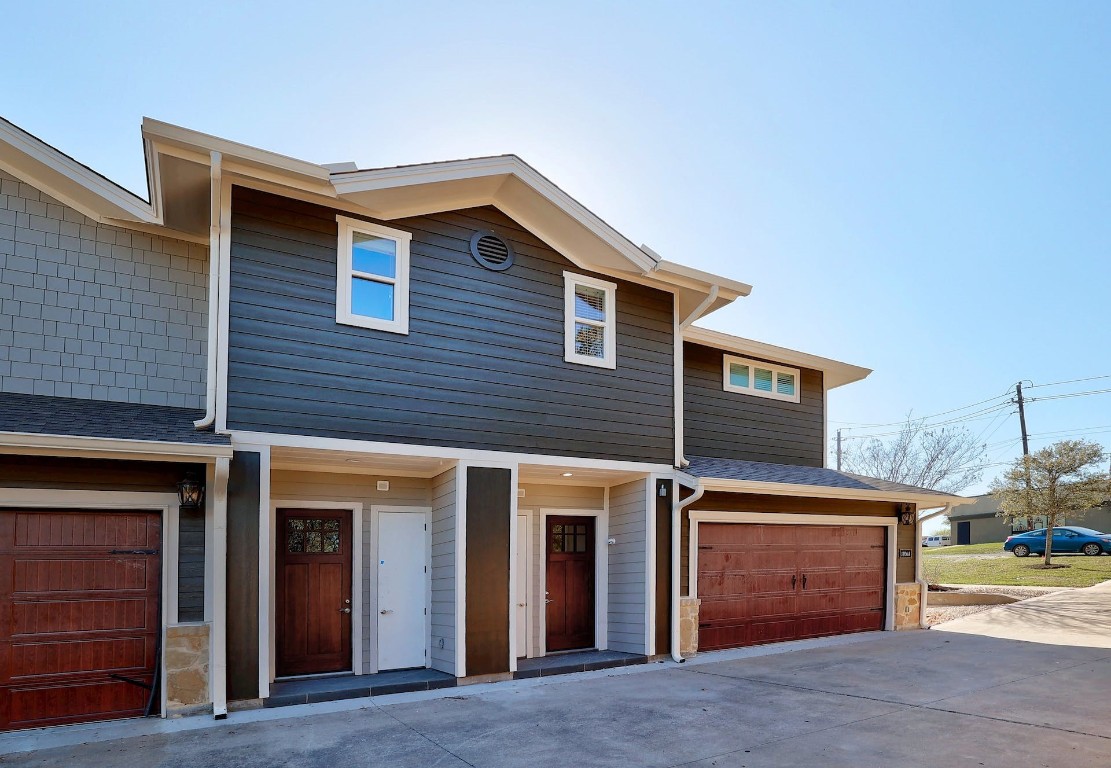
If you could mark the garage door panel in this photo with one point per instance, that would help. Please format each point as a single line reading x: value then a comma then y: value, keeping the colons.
x: 118, y: 654
x: 754, y: 589
x: 92, y: 575
x: 75, y: 613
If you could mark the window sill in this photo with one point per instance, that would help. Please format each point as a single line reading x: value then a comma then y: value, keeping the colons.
x: 594, y: 362
x: 399, y: 327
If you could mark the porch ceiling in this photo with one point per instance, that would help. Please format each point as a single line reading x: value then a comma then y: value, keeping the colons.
x: 556, y: 475
x: 352, y: 462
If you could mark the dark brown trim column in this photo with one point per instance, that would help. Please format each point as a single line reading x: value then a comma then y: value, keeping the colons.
x: 663, y: 567
x: 489, y: 503
x: 242, y: 575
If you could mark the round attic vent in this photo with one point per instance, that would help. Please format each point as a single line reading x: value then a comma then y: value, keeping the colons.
x: 491, y: 251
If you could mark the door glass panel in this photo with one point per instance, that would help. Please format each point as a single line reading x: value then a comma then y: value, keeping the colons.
x: 312, y: 541
x: 557, y: 542
x: 313, y: 536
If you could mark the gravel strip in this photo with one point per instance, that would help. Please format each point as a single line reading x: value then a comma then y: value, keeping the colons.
x: 936, y: 616
x: 990, y: 589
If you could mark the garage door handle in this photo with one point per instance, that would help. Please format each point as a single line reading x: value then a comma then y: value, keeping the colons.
x: 132, y: 681
x: 133, y: 552
x: 794, y: 581
x: 804, y: 581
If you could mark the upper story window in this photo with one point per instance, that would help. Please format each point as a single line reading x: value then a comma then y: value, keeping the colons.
x: 590, y: 336
x: 761, y: 379
x: 372, y: 278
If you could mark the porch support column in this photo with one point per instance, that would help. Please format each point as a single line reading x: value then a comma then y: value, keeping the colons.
x: 241, y: 580
x: 218, y: 498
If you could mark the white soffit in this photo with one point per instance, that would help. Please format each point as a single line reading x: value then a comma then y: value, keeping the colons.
x: 836, y: 373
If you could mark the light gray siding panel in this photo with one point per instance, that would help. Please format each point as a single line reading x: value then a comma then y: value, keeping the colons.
x: 294, y: 486
x: 97, y: 312
x: 732, y: 425
x: 628, y: 567
x: 443, y: 571
x: 482, y: 365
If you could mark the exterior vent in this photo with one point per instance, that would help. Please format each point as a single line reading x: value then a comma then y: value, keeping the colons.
x: 491, y: 251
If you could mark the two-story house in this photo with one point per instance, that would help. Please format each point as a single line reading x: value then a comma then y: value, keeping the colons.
x: 288, y: 432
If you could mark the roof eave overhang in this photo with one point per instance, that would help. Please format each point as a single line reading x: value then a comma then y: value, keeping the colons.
x: 40, y: 165
x: 63, y: 445
x: 836, y: 373
x: 922, y: 500
x: 507, y: 183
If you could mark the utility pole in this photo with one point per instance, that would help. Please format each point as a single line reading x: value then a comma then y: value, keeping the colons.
x: 838, y: 450
x: 1022, y: 419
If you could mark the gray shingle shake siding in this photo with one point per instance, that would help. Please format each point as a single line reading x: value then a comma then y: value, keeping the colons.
x: 97, y: 312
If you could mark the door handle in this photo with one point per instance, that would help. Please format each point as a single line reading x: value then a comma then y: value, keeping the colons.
x: 345, y: 610
x: 520, y: 605
x: 384, y: 611
x: 548, y: 601
x: 804, y: 581
x: 794, y: 581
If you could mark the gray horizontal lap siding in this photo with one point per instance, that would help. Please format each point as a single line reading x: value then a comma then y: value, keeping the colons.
x: 482, y: 366
x: 732, y: 425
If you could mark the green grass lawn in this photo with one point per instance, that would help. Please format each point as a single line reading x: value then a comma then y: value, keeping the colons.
x: 942, y: 565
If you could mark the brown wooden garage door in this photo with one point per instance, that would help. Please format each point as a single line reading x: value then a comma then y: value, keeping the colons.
x: 767, y: 583
x: 79, y: 615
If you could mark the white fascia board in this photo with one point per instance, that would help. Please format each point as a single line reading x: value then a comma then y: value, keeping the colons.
x: 837, y: 374
x: 696, y: 278
x: 69, y: 443
x: 825, y: 492
x: 174, y: 135
x: 348, y: 183
x: 35, y: 162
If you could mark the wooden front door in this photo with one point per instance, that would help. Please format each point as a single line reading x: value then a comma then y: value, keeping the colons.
x: 79, y: 615
x: 570, y: 583
x: 769, y: 583
x: 313, y: 600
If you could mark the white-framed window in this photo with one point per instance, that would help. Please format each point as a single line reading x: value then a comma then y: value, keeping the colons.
x: 589, y: 325
x: 372, y: 276
x: 752, y: 377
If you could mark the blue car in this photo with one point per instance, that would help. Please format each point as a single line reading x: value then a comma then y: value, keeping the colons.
x: 1068, y: 538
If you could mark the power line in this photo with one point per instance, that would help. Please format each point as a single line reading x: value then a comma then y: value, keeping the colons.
x: 986, y: 413
x: 924, y: 418
x: 1069, y: 394
x: 1070, y: 381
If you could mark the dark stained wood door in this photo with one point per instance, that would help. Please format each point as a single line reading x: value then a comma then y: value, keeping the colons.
x: 313, y: 596
x: 570, y: 583
x: 769, y: 583
x: 79, y: 615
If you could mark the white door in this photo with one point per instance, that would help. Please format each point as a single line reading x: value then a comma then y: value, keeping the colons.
x: 402, y: 590
x: 522, y: 585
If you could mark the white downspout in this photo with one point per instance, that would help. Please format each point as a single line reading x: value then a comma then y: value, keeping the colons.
x: 923, y: 585
x: 215, y: 202
x: 711, y: 297
x: 677, y: 508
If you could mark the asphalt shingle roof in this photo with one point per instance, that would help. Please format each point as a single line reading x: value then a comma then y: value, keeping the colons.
x: 790, y: 474
x: 42, y: 415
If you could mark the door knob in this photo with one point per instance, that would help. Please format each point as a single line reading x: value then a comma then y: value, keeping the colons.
x: 345, y: 610
x: 384, y: 611
x: 520, y: 605
x: 548, y: 601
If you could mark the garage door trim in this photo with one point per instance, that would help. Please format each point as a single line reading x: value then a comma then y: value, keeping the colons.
x: 164, y: 503
x: 779, y: 518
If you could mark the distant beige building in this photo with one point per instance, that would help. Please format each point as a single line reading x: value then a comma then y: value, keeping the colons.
x: 980, y: 523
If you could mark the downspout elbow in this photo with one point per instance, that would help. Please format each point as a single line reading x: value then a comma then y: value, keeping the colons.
x: 677, y: 508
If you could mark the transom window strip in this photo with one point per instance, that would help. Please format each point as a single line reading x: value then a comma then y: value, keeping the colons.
x: 761, y: 379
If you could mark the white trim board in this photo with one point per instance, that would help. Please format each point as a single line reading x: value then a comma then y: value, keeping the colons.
x: 601, y: 572
x: 146, y: 449
x: 775, y: 518
x: 165, y: 503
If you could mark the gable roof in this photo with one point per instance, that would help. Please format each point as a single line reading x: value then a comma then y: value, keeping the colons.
x: 788, y: 479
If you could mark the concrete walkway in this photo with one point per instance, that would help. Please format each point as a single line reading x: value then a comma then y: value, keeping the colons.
x: 1074, y: 617
x: 909, y: 699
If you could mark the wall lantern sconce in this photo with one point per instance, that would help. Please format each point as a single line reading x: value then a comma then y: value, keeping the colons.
x: 190, y: 492
x: 663, y: 490
x: 906, y: 515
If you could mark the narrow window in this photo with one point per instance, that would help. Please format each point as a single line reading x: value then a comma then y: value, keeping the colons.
x: 372, y: 276
x: 590, y: 336
x: 760, y: 379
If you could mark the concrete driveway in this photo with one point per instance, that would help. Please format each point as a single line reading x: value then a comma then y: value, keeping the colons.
x: 1079, y: 617
x: 921, y: 698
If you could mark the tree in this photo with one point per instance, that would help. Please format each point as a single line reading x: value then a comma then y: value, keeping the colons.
x: 1059, y: 480
x: 947, y: 459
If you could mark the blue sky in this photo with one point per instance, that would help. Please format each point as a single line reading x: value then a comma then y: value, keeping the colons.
x: 919, y: 188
